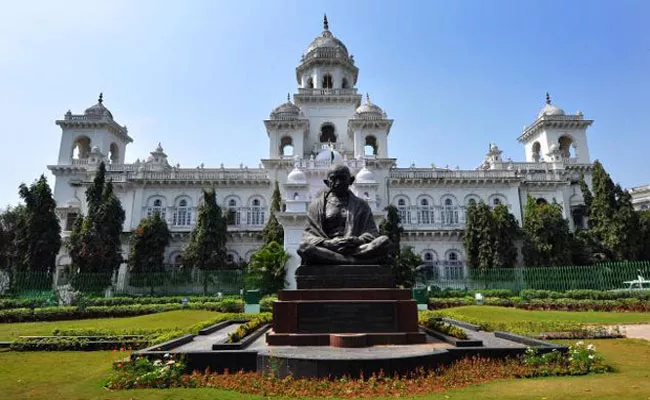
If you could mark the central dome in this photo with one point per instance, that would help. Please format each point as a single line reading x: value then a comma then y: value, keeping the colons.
x: 550, y: 109
x: 98, y: 110
x: 327, y: 41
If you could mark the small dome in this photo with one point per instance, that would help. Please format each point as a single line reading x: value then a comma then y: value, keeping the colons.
x: 98, y: 110
x: 285, y: 111
x: 550, y: 109
x: 365, y: 176
x: 329, y: 155
x: 369, y: 110
x: 296, y: 176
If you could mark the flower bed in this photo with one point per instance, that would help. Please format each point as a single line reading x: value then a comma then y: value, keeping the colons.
x: 548, y: 304
x: 140, y: 372
x: 433, y: 322
x: 249, y: 327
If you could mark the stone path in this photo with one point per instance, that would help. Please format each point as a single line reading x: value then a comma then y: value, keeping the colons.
x: 205, y: 342
x: 640, y: 331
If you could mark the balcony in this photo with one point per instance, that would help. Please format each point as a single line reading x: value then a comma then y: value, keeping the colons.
x: 432, y: 217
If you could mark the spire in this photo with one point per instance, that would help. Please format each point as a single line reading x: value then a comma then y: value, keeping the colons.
x: 101, y: 98
x: 288, y: 98
x: 548, y: 98
x: 367, y: 98
x: 326, y: 26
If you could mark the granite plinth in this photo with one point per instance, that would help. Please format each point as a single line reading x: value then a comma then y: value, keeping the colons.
x: 344, y: 276
x: 344, y: 318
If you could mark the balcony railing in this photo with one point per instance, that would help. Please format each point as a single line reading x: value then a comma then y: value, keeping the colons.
x: 432, y: 217
x: 412, y: 173
x: 327, y: 92
x: 240, y: 218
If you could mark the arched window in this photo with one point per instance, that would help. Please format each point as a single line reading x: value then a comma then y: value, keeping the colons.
x: 81, y: 148
x: 327, y: 81
x: 296, y: 196
x: 286, y: 146
x: 234, y: 213
x: 344, y: 83
x: 230, y: 258
x: 156, y: 207
x: 428, y: 257
x: 182, y: 214
x: 540, y: 201
x: 114, y: 154
x: 537, y: 148
x: 255, y: 213
x: 496, y: 201
x: 327, y: 134
x: 449, y: 212
x: 472, y: 202
x: 453, y: 266
x: 403, y: 211
x: 566, y: 143
x: 425, y: 212
x: 370, y: 148
x: 310, y: 83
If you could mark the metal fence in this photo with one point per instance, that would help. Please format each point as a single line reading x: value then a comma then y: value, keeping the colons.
x: 602, y: 276
x: 29, y: 284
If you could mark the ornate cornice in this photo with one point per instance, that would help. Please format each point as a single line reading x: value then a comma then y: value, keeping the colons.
x: 554, y: 122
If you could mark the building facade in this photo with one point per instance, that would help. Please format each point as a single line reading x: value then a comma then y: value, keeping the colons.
x: 327, y: 121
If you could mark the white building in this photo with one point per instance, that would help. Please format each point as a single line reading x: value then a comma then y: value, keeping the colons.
x: 327, y: 121
x: 641, y: 197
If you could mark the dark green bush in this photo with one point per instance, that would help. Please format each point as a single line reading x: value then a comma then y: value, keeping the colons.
x: 266, y: 304
x: 78, y: 343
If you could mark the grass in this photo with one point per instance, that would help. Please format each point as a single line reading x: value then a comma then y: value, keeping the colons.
x: 505, y: 314
x: 172, y: 319
x: 74, y: 375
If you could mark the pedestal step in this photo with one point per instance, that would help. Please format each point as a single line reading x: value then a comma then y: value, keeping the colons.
x: 345, y: 340
x: 345, y: 294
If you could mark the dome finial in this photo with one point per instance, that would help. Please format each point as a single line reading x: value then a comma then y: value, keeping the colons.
x: 367, y: 97
x: 288, y: 97
x: 326, y: 26
x: 548, y: 98
x: 101, y: 98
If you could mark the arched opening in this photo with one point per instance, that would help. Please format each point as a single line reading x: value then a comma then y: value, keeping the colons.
x: 537, y: 148
x: 286, y: 146
x: 370, y: 148
x: 255, y: 213
x: 296, y: 196
x: 310, y: 83
x: 428, y: 257
x: 81, y: 148
x: 541, y: 201
x: 182, y: 214
x: 472, y: 202
x: 156, y: 207
x: 496, y: 201
x: 566, y: 144
x: 453, y: 266
x: 366, y: 196
x: 344, y: 83
x: 327, y: 134
x: 449, y: 212
x: 403, y: 211
x: 114, y: 153
x: 177, y: 261
x: 425, y: 212
x: 234, y: 216
x: 327, y: 81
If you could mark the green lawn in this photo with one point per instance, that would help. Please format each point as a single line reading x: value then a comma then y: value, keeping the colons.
x: 506, y: 314
x: 76, y: 375
x: 172, y: 319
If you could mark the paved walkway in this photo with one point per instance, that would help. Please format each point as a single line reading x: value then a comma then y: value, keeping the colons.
x: 640, y: 331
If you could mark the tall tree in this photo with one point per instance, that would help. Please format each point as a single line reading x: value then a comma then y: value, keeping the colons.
x: 506, y: 233
x: 392, y: 227
x: 613, y: 224
x: 547, y: 239
x: 41, y: 236
x: 405, y: 266
x: 12, y: 221
x: 206, y: 248
x: 94, y: 243
x: 273, y: 231
x: 644, y: 235
x: 147, y: 250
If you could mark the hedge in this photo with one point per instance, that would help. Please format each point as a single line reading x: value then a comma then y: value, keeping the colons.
x: 548, y: 304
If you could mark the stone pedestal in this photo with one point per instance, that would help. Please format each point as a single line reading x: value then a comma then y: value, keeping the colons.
x: 351, y: 317
x: 344, y: 276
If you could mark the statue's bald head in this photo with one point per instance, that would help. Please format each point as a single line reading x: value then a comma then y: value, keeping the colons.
x: 339, y: 178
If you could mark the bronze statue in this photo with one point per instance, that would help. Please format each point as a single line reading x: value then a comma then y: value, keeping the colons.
x: 341, y: 228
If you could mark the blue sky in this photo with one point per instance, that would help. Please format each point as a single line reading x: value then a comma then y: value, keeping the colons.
x: 200, y: 76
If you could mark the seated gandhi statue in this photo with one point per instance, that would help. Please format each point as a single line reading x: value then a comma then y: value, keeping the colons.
x: 340, y: 227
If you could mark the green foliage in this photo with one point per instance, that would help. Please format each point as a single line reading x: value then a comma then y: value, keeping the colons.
x: 268, y: 265
x: 77, y: 343
x: 141, y: 372
x: 12, y: 222
x: 581, y: 359
x: 615, y: 228
x: 94, y: 243
x: 206, y: 248
x: 40, y: 239
x: 404, y: 267
x: 266, y: 304
x: 644, y: 235
x: 273, y: 230
x: 433, y: 322
x: 547, y: 240
x: 490, y: 236
x: 249, y: 327
x: 147, y: 249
